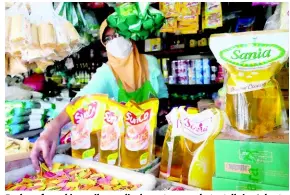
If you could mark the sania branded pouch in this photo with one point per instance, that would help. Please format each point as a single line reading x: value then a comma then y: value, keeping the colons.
x: 87, y: 115
x: 252, y: 59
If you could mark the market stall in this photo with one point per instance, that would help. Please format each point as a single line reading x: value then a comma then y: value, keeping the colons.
x: 227, y: 125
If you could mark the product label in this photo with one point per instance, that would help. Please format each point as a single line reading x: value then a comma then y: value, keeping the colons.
x: 87, y: 112
x: 255, y: 156
x: 237, y: 168
x: 252, y: 54
x: 110, y: 132
x: 138, y: 131
x: 89, y: 154
x: 111, y: 159
x: 197, y: 128
x: 83, y: 118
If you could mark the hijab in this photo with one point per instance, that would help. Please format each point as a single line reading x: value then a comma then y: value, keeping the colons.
x: 131, y: 71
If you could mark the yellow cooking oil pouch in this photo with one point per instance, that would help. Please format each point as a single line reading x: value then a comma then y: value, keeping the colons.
x: 137, y: 142
x: 199, y: 131
x: 112, y: 129
x: 252, y: 59
x: 87, y: 115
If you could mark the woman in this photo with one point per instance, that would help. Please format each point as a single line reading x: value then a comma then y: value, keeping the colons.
x: 127, y: 75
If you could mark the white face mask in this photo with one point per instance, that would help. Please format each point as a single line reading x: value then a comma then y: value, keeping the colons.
x: 119, y: 47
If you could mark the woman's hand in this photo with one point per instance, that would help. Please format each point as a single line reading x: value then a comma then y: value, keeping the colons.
x: 45, y: 146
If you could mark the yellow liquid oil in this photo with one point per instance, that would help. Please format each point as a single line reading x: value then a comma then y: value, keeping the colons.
x: 134, y: 159
x: 177, y: 158
x: 189, y: 149
x: 91, y: 152
x: 255, y: 113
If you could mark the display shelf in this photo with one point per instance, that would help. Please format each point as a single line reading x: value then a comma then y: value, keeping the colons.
x: 205, y: 50
x: 176, y: 88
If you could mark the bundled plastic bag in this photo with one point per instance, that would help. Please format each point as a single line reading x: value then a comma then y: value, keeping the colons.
x: 18, y: 29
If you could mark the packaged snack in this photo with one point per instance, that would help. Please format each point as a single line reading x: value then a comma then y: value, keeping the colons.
x: 172, y: 150
x: 213, y: 15
x: 87, y: 114
x: 112, y: 129
x: 199, y: 132
x: 137, y: 142
x: 253, y: 100
x: 170, y: 25
x: 170, y: 9
x: 189, y: 8
x: 245, y: 24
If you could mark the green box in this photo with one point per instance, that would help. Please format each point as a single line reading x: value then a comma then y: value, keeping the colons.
x: 259, y: 160
x: 230, y: 184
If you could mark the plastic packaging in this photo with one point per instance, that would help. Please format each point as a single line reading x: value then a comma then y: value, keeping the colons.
x: 253, y: 100
x: 112, y: 129
x: 199, y: 131
x: 87, y: 114
x: 245, y: 24
x: 172, y: 150
x: 213, y: 15
x: 138, y: 140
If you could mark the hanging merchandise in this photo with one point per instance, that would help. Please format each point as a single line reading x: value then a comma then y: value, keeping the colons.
x: 181, y: 18
x: 280, y: 18
x: 38, y: 39
x: 253, y: 100
x: 85, y: 23
x: 245, y: 24
x: 213, y: 17
x: 87, y: 114
x: 136, y: 21
x: 264, y: 3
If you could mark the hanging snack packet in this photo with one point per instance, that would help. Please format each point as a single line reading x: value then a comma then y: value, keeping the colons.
x: 113, y: 127
x: 87, y: 114
x: 172, y: 150
x: 170, y: 9
x: 188, y: 9
x: 199, y: 132
x: 169, y: 26
x: 213, y: 15
x: 137, y: 142
x: 253, y: 100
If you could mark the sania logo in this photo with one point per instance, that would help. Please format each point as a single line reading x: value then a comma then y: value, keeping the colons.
x: 89, y: 111
x: 110, y: 117
x: 252, y: 55
x: 134, y: 120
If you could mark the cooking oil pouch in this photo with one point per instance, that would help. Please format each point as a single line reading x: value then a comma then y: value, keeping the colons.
x: 137, y: 142
x: 172, y: 149
x: 199, y: 131
x: 252, y: 59
x: 112, y: 129
x: 87, y: 115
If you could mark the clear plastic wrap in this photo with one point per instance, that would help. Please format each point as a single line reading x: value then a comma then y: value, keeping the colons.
x: 280, y: 18
x: 16, y: 66
x: 19, y: 33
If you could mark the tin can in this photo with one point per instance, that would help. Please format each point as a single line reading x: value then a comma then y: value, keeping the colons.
x: 172, y: 80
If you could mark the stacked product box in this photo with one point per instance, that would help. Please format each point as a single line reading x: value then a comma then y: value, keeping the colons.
x: 197, y: 71
x: 252, y: 163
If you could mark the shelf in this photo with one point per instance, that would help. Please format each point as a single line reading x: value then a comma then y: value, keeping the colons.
x: 181, y: 52
x: 186, y: 89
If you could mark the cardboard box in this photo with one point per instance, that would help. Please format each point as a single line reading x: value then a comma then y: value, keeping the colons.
x: 230, y: 184
x: 264, y: 160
